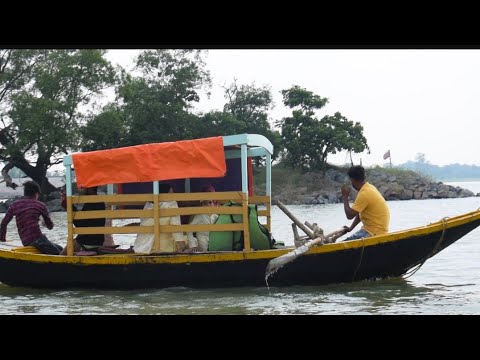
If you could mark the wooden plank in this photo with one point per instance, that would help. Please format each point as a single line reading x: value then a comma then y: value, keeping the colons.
x: 163, y: 228
x: 202, y: 227
x: 256, y: 199
x: 128, y: 213
x: 114, y: 230
x: 70, y: 242
x: 112, y: 214
x: 112, y: 199
x: 201, y: 210
x: 246, y: 232
x: 156, y: 224
x: 228, y: 195
x: 143, y: 198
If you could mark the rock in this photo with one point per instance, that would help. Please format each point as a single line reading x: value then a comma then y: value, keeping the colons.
x: 307, y: 199
x: 406, y: 194
x: 466, y: 193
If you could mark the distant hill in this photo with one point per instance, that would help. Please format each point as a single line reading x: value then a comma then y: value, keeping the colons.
x: 452, y: 172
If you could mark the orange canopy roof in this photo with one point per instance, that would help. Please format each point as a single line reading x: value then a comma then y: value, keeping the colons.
x: 151, y: 162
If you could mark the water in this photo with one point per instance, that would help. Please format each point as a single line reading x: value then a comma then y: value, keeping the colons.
x: 448, y: 283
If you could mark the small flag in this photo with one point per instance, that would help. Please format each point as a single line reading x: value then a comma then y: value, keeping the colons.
x: 386, y: 155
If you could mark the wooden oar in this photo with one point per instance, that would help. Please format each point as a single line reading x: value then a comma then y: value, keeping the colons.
x: 275, y: 264
x: 295, y: 220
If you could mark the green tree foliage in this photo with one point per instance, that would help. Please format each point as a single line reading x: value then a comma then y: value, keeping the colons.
x: 15, y: 72
x: 250, y: 105
x: 47, y: 110
x: 104, y: 131
x: 156, y: 106
x: 246, y: 111
x: 219, y: 123
x: 308, y: 140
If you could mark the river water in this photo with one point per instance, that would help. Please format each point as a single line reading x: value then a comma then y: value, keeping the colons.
x: 448, y: 283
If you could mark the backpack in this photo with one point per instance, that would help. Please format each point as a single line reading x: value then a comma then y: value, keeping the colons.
x: 260, y: 237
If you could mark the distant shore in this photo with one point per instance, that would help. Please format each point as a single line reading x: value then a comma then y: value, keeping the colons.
x: 323, y: 187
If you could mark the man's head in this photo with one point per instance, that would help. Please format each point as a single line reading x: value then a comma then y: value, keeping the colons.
x: 31, y: 189
x: 357, y: 176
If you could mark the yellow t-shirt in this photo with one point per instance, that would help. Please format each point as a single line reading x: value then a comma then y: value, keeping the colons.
x: 373, y: 209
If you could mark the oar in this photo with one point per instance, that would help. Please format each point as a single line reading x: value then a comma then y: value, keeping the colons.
x: 275, y: 264
x: 295, y: 220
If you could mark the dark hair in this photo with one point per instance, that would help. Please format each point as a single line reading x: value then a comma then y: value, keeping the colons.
x: 30, y: 188
x: 208, y: 188
x: 357, y: 172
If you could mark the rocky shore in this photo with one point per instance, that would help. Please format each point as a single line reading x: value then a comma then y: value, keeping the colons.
x: 324, y: 187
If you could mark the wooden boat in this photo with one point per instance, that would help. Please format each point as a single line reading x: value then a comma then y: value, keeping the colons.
x: 390, y: 255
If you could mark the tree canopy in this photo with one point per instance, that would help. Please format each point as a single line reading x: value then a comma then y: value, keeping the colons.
x: 48, y: 96
x: 309, y: 140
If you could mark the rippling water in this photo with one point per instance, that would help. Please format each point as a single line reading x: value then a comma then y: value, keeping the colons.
x: 448, y: 283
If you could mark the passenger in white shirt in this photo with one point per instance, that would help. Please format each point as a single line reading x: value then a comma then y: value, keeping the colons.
x: 169, y: 242
x: 198, y: 241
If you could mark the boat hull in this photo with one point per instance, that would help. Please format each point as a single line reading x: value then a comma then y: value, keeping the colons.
x: 373, y: 258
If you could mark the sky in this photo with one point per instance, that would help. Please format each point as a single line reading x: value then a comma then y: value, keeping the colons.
x: 408, y: 101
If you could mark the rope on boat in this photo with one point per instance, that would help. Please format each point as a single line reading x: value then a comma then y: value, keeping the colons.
x: 361, y: 258
x: 433, y: 252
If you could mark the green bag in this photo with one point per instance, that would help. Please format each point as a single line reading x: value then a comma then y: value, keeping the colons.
x: 221, y: 240
x: 260, y: 237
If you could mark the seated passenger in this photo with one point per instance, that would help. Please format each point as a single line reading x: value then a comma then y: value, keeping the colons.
x: 169, y: 242
x: 198, y: 241
x: 210, y: 188
x: 86, y: 241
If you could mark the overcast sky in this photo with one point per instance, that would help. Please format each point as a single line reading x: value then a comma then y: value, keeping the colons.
x: 408, y: 101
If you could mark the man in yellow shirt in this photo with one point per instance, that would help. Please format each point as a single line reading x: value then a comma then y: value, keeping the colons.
x: 369, y: 207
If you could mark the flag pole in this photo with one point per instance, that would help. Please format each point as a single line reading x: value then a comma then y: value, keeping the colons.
x: 390, y: 157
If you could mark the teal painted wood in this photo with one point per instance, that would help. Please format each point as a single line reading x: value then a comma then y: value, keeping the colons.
x: 67, y: 160
x: 244, y: 169
x: 268, y: 179
x: 252, y: 140
x: 68, y: 179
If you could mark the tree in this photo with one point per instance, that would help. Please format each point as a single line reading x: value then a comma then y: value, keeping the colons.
x: 156, y: 106
x: 307, y: 140
x: 46, y: 111
x: 106, y: 130
x: 219, y: 123
x: 15, y: 72
x: 250, y: 105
